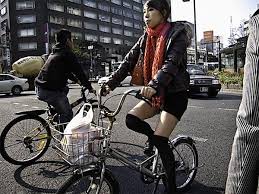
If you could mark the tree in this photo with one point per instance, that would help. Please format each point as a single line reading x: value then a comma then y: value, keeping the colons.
x: 236, y: 33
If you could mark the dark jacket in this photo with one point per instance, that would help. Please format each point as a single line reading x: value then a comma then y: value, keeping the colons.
x: 172, y: 77
x: 60, y: 66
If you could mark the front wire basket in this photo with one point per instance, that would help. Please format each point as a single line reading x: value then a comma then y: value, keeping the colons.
x: 80, y: 149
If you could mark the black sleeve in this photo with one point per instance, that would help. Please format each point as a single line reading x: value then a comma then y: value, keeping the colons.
x: 174, y: 57
x: 79, y: 72
x: 126, y: 66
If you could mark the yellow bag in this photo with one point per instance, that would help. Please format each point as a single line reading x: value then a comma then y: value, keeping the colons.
x: 28, y: 66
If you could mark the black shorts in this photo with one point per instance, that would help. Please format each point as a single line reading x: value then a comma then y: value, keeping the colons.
x: 176, y: 103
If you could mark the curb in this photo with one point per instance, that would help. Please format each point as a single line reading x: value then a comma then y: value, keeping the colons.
x: 231, y: 90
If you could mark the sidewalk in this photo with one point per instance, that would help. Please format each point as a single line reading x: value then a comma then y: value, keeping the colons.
x: 231, y: 89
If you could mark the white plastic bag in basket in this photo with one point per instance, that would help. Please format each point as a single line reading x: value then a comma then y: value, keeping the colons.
x: 76, y: 134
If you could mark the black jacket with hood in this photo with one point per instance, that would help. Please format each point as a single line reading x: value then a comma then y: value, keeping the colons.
x: 60, y: 66
x: 172, y: 77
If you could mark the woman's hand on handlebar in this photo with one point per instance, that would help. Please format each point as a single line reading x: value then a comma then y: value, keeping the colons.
x: 147, y: 92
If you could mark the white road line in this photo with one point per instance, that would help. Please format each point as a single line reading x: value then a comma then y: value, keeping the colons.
x: 16, y: 103
x: 115, y: 123
x: 231, y: 109
x: 195, y: 138
x: 195, y: 107
x: 228, y: 109
x: 25, y: 105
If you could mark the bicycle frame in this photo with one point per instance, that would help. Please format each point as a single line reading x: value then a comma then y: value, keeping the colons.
x: 113, y: 153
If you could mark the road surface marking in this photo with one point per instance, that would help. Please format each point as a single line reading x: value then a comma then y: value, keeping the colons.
x: 199, y: 139
x: 195, y: 107
x: 194, y: 138
x: 231, y: 109
x: 25, y: 105
x: 16, y: 103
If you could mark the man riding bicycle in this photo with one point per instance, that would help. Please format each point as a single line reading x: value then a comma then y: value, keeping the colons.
x: 61, y: 65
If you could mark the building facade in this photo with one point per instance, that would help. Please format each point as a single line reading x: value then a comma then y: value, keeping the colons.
x: 28, y: 26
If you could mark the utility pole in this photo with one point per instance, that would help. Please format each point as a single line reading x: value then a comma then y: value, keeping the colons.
x: 195, y: 31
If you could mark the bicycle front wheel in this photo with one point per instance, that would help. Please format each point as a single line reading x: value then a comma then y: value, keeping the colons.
x: 25, y: 139
x: 88, y: 182
x: 186, y: 163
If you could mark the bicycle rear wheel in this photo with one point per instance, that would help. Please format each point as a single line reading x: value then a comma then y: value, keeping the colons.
x: 88, y: 182
x: 186, y: 163
x: 25, y: 139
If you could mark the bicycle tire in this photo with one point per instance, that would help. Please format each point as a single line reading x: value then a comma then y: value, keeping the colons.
x: 181, y: 163
x: 22, y: 142
x: 84, y: 179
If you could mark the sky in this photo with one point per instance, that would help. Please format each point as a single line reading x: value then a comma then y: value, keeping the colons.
x: 214, y: 15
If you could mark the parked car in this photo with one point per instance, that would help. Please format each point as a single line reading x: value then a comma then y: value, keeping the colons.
x: 202, y: 83
x: 12, y: 84
x: 126, y: 81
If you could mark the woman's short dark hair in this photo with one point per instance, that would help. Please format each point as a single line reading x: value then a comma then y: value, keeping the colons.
x: 160, y: 5
x: 62, y: 36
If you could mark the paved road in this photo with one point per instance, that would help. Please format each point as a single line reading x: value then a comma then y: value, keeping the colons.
x: 210, y: 121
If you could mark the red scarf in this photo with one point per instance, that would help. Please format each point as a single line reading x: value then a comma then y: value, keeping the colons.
x: 154, y: 56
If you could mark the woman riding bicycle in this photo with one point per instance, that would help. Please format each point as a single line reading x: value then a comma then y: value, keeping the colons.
x: 164, y: 46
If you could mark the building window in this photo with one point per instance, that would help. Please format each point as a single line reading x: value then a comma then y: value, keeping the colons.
x: 118, y: 2
x: 26, y: 32
x: 57, y: 20
x: 104, y: 7
x: 90, y: 3
x: 117, y: 41
x: 90, y: 14
x: 137, y: 35
x: 26, y: 19
x: 74, y: 23
x: 75, y: 1
x: 127, y: 13
x: 116, y: 21
x: 27, y: 46
x: 25, y: 5
x: 116, y: 11
x: 137, y: 8
x: 128, y: 43
x: 137, y: 17
x: 105, y: 39
x: 104, y: 18
x: 137, y: 26
x: 4, y: 24
x: 56, y: 7
x: 128, y: 23
x: 74, y: 11
x: 104, y: 28
x: 116, y: 31
x: 91, y: 37
x: 90, y: 26
x: 126, y: 4
x: 77, y: 35
x: 128, y: 33
x: 53, y: 32
x: 3, y: 11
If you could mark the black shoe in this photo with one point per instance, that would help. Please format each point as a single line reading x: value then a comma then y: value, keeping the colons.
x: 148, y: 149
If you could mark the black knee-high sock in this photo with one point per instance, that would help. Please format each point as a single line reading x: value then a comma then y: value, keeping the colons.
x: 136, y: 124
x: 167, y: 157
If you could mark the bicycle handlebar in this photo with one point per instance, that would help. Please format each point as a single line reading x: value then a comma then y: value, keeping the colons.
x: 125, y: 94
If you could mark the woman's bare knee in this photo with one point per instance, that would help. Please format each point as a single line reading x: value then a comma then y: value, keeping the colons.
x: 143, y: 110
x: 166, y: 124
